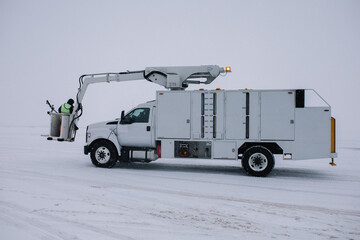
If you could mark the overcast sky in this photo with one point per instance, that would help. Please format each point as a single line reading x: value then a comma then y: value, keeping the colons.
x: 46, y: 45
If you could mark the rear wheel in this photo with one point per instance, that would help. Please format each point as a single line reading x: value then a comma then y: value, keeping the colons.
x: 258, y: 161
x: 103, y: 154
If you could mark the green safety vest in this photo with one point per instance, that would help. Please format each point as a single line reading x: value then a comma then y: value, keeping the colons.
x: 65, y: 108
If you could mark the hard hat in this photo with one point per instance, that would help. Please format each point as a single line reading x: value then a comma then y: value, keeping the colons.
x: 70, y: 101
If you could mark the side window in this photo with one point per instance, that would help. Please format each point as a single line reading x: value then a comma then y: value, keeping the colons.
x: 139, y: 115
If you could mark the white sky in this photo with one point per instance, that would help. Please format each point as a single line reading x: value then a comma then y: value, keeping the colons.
x: 46, y: 45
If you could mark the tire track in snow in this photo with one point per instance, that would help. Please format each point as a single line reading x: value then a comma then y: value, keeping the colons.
x: 356, y: 196
x: 24, y: 216
x: 20, y: 218
x: 197, y: 195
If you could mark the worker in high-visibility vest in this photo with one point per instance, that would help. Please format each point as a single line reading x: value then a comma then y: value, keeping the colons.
x: 67, y: 107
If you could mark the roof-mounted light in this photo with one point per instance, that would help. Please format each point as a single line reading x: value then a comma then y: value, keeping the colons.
x: 228, y: 69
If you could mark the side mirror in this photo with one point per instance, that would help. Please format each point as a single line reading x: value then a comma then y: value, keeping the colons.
x: 122, y: 117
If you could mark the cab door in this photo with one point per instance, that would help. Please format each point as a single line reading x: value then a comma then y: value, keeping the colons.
x: 135, y: 129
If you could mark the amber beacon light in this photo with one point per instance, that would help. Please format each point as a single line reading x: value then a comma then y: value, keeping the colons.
x: 228, y: 69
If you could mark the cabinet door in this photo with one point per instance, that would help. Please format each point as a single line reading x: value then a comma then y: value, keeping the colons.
x: 173, y: 115
x: 225, y: 150
x: 277, y: 115
x: 235, y: 115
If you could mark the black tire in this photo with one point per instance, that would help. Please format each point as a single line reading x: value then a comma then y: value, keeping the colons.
x: 258, y: 161
x: 104, y: 154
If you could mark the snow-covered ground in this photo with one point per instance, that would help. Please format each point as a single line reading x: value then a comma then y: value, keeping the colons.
x: 50, y: 190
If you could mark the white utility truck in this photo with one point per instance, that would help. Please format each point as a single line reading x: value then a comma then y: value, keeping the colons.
x: 251, y: 125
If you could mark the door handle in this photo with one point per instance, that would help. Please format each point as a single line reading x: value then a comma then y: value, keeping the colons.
x: 148, y: 128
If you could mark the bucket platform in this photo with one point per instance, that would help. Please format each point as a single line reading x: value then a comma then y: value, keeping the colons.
x: 60, y: 127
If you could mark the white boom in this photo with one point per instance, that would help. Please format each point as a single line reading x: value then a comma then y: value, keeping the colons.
x: 173, y: 78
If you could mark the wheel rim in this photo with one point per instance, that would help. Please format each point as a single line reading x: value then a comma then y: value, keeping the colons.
x: 102, y: 155
x: 258, y: 162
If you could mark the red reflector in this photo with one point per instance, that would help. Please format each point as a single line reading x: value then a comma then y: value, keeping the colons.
x: 159, y: 150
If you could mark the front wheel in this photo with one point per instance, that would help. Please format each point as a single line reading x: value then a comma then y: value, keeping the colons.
x: 103, y: 154
x: 258, y: 161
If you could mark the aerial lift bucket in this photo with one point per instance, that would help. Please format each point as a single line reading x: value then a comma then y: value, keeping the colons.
x: 60, y: 127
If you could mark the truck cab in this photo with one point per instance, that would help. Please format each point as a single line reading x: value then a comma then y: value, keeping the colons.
x: 129, y: 138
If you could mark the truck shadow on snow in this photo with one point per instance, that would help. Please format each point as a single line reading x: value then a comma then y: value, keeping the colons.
x: 300, y: 173
x: 280, y: 172
x: 183, y: 167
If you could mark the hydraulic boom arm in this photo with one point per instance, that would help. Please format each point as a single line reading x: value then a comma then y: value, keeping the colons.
x: 173, y: 78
